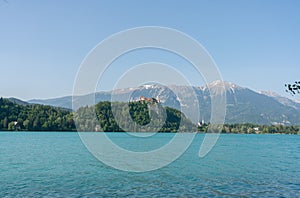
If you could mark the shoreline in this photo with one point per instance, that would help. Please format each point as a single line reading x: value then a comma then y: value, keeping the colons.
x: 147, y: 132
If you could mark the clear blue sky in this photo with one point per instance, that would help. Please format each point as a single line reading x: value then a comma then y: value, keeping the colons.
x: 255, y: 44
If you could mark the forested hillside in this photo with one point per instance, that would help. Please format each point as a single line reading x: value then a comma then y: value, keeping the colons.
x: 164, y: 119
x: 35, y: 117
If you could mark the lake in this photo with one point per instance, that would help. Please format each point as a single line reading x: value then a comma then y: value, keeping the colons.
x: 57, y: 164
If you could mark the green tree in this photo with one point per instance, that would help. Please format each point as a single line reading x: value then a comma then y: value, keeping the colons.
x: 11, y: 126
x: 5, y: 125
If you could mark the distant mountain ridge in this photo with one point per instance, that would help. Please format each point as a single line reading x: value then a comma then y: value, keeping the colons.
x: 281, y: 99
x: 243, y: 105
x: 18, y: 101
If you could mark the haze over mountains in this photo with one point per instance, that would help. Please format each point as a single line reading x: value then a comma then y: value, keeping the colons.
x: 243, y: 105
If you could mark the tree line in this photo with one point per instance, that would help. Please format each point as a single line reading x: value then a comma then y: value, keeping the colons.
x: 35, y: 117
x: 100, y: 117
x: 133, y: 116
x: 248, y: 128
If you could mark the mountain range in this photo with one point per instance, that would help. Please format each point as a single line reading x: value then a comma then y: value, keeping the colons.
x: 243, y: 105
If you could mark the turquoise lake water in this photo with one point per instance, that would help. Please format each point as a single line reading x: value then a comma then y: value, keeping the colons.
x: 58, y: 165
